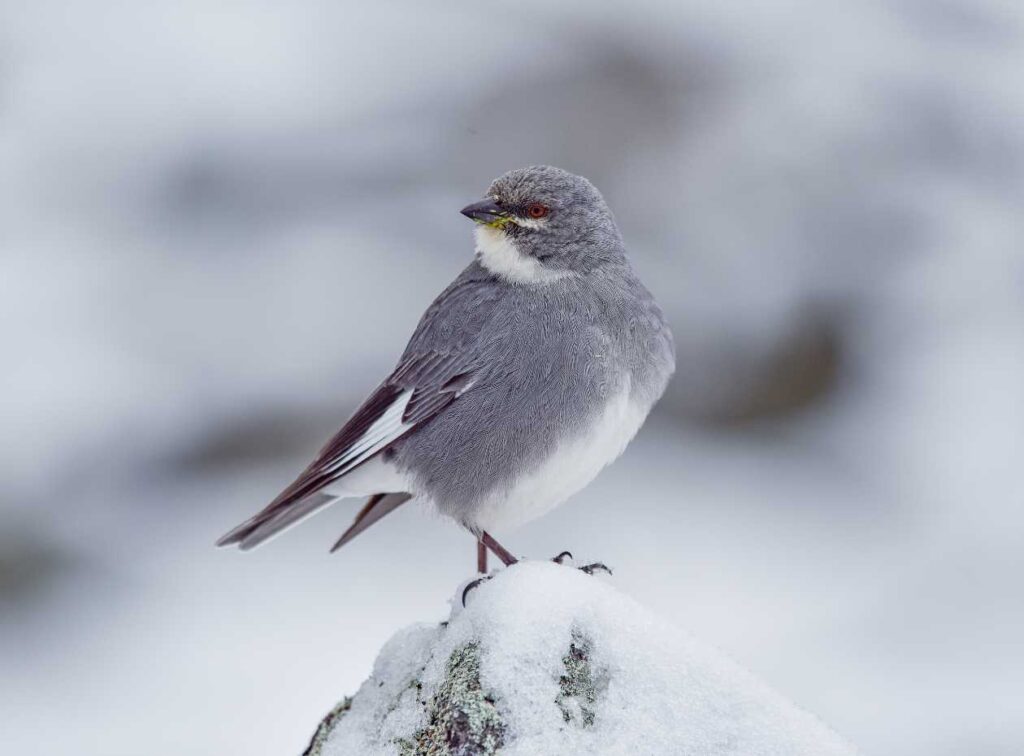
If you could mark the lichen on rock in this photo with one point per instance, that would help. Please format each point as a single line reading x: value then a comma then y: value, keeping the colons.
x: 547, y: 660
x: 462, y: 718
x: 580, y: 684
x: 326, y: 727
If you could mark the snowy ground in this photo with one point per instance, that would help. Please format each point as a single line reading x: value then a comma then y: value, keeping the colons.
x: 500, y: 673
x: 219, y: 225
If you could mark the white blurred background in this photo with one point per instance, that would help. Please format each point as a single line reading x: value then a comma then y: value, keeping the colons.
x: 220, y: 221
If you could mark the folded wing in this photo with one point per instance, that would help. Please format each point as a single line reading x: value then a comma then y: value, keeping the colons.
x: 421, y: 387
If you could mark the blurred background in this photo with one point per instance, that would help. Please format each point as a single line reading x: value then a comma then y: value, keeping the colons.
x: 220, y: 221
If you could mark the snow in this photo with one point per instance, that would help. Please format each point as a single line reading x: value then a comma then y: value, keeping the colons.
x: 203, y: 205
x: 653, y: 689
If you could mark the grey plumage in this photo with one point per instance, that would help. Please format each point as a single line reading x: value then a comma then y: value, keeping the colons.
x: 538, y: 351
x: 251, y: 537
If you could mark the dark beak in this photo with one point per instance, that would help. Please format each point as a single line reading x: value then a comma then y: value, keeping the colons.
x: 486, y: 211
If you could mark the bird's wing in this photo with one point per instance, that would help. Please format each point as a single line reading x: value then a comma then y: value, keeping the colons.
x: 442, y: 360
x: 256, y: 533
x: 421, y: 386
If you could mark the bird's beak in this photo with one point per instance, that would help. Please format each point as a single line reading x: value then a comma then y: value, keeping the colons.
x: 487, y: 212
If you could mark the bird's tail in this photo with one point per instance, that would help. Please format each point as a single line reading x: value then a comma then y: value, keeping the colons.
x: 260, y: 529
x: 374, y: 509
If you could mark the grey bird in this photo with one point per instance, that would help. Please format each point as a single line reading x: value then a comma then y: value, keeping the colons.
x: 524, y: 378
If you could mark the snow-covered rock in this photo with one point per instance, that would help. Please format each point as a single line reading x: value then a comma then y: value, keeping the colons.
x: 548, y: 660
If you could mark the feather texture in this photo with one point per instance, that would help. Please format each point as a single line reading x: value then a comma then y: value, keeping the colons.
x: 523, y: 378
x: 287, y: 518
x: 420, y: 387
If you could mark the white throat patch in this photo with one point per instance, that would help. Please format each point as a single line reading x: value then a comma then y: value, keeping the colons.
x: 499, y: 255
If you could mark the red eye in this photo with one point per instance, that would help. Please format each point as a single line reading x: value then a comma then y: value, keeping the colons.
x: 536, y: 210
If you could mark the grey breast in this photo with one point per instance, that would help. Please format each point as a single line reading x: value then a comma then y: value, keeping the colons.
x: 548, y: 358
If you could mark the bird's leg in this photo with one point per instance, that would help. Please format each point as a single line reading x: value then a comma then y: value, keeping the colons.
x: 499, y: 551
x: 481, y: 557
x: 481, y: 565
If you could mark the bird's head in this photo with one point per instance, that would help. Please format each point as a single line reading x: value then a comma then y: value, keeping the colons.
x: 540, y: 224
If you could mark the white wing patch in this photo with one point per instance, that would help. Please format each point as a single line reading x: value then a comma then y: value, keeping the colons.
x: 385, y: 430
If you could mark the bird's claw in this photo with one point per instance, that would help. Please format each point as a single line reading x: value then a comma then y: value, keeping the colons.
x: 590, y: 569
x: 471, y: 586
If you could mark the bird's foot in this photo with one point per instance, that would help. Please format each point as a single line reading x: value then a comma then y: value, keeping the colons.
x: 472, y: 585
x: 590, y: 569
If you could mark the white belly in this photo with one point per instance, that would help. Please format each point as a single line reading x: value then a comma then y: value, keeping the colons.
x: 574, y: 463
x: 372, y: 477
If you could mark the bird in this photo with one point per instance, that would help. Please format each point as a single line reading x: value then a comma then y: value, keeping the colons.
x: 524, y: 378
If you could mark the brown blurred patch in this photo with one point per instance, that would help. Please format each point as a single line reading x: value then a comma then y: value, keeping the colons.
x: 798, y: 372
x: 29, y: 564
x: 267, y: 436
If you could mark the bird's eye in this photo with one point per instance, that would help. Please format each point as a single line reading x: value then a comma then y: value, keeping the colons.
x: 536, y: 210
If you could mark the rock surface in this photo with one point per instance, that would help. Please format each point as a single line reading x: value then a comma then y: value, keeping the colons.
x: 548, y: 660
